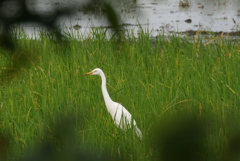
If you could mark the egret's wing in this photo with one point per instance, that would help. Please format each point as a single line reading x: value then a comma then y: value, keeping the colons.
x: 138, y: 132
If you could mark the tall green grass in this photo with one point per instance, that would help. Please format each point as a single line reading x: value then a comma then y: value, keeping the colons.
x: 154, y: 78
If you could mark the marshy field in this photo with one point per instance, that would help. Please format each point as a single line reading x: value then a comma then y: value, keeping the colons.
x: 177, y: 89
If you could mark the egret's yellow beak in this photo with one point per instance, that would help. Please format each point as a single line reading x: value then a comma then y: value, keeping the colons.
x: 89, y: 73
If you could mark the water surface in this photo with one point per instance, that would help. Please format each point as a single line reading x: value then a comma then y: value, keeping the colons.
x: 159, y: 16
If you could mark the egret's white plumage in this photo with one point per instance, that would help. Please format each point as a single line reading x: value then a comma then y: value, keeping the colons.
x: 122, y: 118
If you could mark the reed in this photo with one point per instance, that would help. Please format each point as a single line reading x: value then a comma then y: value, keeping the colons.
x: 154, y: 78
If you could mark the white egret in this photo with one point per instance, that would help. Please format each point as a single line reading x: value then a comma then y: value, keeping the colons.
x: 120, y: 115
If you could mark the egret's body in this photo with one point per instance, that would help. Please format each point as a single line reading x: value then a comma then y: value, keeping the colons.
x: 122, y: 118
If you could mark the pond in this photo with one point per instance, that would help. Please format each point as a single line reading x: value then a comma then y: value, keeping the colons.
x: 159, y: 16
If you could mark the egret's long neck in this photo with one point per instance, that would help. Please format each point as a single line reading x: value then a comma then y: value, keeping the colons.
x: 106, y: 96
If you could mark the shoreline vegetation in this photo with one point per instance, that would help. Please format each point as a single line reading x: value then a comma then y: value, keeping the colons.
x: 50, y: 110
